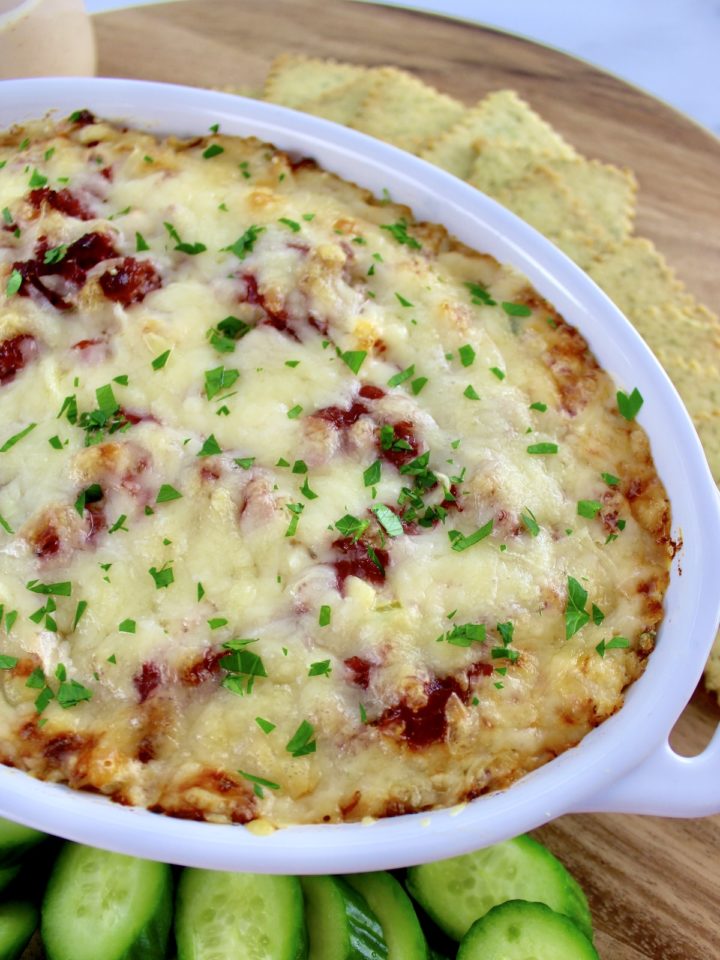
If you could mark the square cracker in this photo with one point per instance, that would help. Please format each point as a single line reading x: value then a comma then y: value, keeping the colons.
x: 342, y: 104
x: 501, y: 116
x: 403, y: 110
x: 294, y: 79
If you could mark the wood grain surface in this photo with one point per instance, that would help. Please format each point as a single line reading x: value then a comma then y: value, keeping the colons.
x: 654, y: 885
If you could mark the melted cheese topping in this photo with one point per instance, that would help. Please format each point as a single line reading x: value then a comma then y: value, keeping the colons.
x: 301, y: 564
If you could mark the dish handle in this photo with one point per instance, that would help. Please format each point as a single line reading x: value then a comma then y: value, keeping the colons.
x: 664, y: 785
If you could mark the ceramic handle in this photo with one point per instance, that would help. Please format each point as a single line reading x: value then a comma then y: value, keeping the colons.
x: 665, y: 785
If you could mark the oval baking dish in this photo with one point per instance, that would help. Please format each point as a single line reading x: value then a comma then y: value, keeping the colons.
x: 626, y: 763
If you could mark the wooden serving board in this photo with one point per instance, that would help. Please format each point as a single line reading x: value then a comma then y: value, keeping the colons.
x: 654, y: 885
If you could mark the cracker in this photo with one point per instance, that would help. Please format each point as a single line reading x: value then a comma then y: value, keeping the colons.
x: 293, y: 79
x: 405, y: 111
x: 342, y: 104
x: 636, y: 276
x: 501, y: 116
x: 605, y: 192
x: 542, y: 199
x: 712, y: 670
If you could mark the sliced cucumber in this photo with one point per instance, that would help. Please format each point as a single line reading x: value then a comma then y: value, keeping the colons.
x: 18, y: 921
x: 341, y: 926
x: 16, y: 840
x: 393, y: 908
x: 518, y: 930
x: 225, y: 916
x: 100, y: 904
x: 458, y: 891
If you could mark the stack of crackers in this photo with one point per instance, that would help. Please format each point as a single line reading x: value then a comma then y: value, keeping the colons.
x: 587, y: 208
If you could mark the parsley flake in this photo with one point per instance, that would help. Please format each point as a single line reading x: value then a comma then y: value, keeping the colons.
x: 610, y: 480
x: 516, y: 309
x: 127, y: 626
x: 401, y: 377
x: 141, y: 243
x: 617, y: 643
x: 214, y: 150
x: 629, y: 406
x: 244, y: 244
x: 259, y: 783
x: 295, y: 509
x: 467, y: 355
x: 292, y: 224
x: 354, y: 359
x: 301, y: 743
x: 37, y: 179
x: 55, y: 254
x: 480, y: 295
x: 321, y: 668
x: 588, y: 508
x: 542, y: 448
x: 402, y: 301
x: 417, y: 385
x: 5, y: 525
x: 540, y: 407
x: 167, y: 493
x: 162, y: 577
x: 265, y: 725
x: 471, y: 393
x: 575, y: 614
x: 529, y: 522
x: 16, y: 438
x: 294, y: 412
x: 244, y: 462
x: 400, y: 234
x: 372, y: 475
x: 210, y: 447
x: 388, y: 520
x: 325, y: 615
x: 71, y: 693
x: 219, y: 379
x: 459, y: 542
x: 14, y: 283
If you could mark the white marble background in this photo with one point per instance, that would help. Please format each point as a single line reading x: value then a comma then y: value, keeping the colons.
x: 671, y: 48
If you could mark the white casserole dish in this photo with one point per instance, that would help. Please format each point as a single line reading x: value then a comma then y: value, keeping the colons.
x: 626, y: 765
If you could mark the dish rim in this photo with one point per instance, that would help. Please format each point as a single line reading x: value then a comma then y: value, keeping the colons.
x: 653, y: 703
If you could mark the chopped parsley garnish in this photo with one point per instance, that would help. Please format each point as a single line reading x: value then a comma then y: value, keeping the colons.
x: 617, y: 643
x: 7, y: 216
x: 500, y: 374
x: 529, y: 522
x: 127, y: 626
x: 71, y: 693
x: 259, y: 783
x: 504, y: 653
x: 214, y: 128
x: 301, y: 743
x: 43, y: 699
x: 542, y: 448
x: 425, y: 479
x: 119, y: 524
x: 210, y: 447
x: 292, y: 224
x: 69, y: 408
x: 244, y: 462
x: 464, y: 634
x: 200, y: 591
x: 308, y: 216
x: 123, y: 379
x: 575, y: 614
x: 216, y: 622
x: 244, y: 244
x: 265, y: 725
x: 295, y: 509
x: 294, y: 412
x: 597, y: 615
x: 610, y: 480
x: 460, y: 542
x: 291, y: 363
x: 321, y: 668
x: 6, y: 662
x: 306, y: 491
x: 480, y: 295
x: 629, y: 406
x: 540, y: 407
x: 417, y: 384
x: 219, y: 379
x: 354, y: 359
x: 141, y: 243
x: 37, y: 179
x: 243, y: 667
x: 167, y: 493
x: 402, y: 301
x: 162, y: 577
x: 372, y: 475
x: 401, y: 377
x: 79, y: 611
x: 14, y: 283
x: 63, y: 589
x: 16, y: 438
x: 228, y: 331
x: 467, y: 355
x: 36, y: 680
x: 588, y: 508
x: 471, y: 393
x: 300, y: 467
x: 5, y: 525
x: 10, y: 618
x: 387, y: 520
x: 350, y: 526
x: 214, y: 150
x: 325, y: 614
x: 55, y: 254
x: 91, y: 494
x: 399, y: 233
x: 516, y: 309
x: 193, y: 249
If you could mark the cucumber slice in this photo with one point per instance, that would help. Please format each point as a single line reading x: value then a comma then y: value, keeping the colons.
x: 16, y: 840
x: 458, y: 891
x: 518, y: 930
x: 224, y: 916
x: 7, y: 875
x: 100, y: 904
x: 341, y: 926
x: 18, y: 921
x: 393, y: 908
